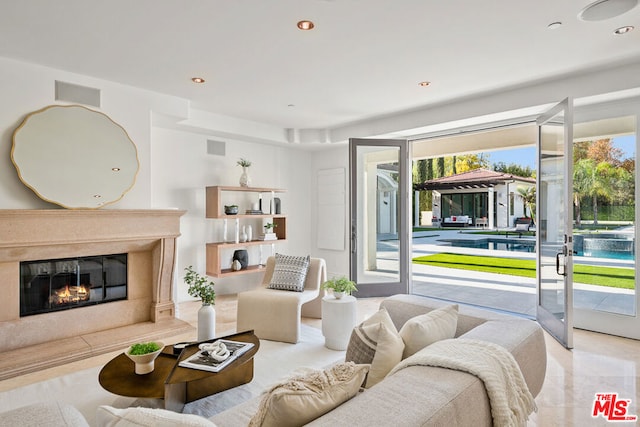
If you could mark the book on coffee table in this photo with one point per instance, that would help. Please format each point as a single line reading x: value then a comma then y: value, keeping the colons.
x: 203, y: 361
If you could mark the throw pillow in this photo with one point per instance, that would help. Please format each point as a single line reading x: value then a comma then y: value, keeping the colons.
x: 376, y: 342
x: 420, y: 331
x: 303, y: 398
x: 289, y: 273
x: 108, y: 416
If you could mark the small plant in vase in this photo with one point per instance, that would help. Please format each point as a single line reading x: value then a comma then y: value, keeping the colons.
x: 340, y: 286
x: 200, y: 288
x: 245, y: 180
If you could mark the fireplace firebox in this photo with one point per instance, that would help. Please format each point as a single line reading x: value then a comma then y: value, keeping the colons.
x: 61, y: 284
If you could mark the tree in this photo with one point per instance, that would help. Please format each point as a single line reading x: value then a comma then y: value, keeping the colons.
x: 591, y: 179
x: 602, y: 150
x: 514, y: 169
x: 583, y: 175
x: 439, y: 170
x: 528, y: 195
x: 468, y: 162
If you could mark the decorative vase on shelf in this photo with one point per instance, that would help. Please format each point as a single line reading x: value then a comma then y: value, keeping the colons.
x: 245, y: 179
x: 206, y: 322
x: 243, y: 235
x: 249, y: 233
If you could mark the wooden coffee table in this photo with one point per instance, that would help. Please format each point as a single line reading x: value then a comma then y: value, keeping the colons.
x: 175, y: 384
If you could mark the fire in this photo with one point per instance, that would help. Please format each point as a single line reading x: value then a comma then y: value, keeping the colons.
x: 70, y: 294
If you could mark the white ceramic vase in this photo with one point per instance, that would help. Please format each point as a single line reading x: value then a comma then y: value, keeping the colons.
x: 245, y: 180
x: 338, y: 295
x: 206, y: 322
x: 249, y: 233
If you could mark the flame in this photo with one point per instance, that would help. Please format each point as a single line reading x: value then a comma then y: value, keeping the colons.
x: 70, y: 294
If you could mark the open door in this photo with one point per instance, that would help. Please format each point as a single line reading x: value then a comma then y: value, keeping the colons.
x: 380, y: 216
x: 554, y: 236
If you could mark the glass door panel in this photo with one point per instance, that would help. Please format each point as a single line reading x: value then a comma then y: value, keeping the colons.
x: 380, y: 218
x: 554, y: 223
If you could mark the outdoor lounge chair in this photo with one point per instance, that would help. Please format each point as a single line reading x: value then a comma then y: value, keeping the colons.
x: 519, y: 229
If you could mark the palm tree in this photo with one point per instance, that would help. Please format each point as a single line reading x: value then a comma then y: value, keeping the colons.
x: 583, y: 176
x: 528, y: 195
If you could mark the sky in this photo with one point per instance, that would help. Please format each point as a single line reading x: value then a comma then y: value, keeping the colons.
x: 527, y: 156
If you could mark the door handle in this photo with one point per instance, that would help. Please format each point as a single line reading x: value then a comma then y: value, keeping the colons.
x: 564, y: 273
x: 354, y: 239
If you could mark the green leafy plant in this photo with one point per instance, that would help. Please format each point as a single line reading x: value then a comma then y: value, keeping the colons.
x: 198, y: 286
x: 244, y: 163
x: 143, y: 348
x: 340, y: 284
x: 268, y: 226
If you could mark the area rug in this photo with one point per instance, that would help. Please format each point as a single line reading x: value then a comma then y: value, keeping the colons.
x: 273, y: 362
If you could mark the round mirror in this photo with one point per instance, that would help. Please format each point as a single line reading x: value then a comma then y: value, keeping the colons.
x: 74, y: 157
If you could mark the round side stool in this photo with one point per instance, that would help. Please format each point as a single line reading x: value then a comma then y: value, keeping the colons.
x: 338, y: 320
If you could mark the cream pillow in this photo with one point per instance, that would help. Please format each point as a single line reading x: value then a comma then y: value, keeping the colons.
x: 377, y: 342
x: 420, y: 331
x: 303, y: 398
x: 108, y: 416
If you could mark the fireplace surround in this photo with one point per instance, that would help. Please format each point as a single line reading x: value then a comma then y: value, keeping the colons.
x: 147, y: 237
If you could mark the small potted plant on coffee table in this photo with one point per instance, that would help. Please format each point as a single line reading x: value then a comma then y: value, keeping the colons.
x: 144, y: 355
x: 340, y: 286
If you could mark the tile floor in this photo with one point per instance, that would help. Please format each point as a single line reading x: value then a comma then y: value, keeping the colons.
x: 598, y: 364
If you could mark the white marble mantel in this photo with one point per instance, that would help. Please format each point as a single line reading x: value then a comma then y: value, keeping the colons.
x: 147, y: 236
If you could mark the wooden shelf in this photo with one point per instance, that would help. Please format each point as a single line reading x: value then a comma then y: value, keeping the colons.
x: 214, y: 266
x: 215, y: 207
x: 215, y: 210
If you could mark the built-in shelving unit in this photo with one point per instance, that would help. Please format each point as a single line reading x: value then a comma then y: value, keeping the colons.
x: 215, y: 201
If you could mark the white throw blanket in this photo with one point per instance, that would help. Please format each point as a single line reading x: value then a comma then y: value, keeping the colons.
x: 510, y: 399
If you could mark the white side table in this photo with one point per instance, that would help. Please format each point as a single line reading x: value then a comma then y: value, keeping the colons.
x: 338, y: 320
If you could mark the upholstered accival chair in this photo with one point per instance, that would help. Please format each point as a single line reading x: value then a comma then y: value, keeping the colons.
x: 275, y: 314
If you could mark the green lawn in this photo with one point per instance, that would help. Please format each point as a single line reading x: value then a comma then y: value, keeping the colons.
x: 588, y: 274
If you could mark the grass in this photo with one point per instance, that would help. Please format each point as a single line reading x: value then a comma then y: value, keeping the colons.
x: 587, y: 274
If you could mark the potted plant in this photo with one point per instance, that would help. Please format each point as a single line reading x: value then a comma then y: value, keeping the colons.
x: 340, y: 286
x: 270, y: 227
x: 144, y: 355
x: 200, y: 288
x: 245, y: 180
x: 230, y: 209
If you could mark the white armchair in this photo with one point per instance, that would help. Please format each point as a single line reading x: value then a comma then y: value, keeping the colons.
x: 275, y: 314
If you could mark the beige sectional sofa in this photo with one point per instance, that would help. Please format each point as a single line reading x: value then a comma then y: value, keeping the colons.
x: 416, y: 395
x: 430, y: 396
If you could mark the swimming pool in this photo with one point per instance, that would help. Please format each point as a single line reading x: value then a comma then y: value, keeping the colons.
x: 529, y: 246
x: 514, y: 245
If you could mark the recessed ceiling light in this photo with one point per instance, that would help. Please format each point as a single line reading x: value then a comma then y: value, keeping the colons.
x: 197, y: 80
x: 97, y: 196
x: 291, y: 105
x: 624, y: 30
x: 424, y: 84
x: 306, y: 25
x: 554, y: 25
x: 115, y: 169
x: 600, y: 10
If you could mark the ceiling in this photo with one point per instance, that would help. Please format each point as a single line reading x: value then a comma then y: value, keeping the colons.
x: 363, y: 60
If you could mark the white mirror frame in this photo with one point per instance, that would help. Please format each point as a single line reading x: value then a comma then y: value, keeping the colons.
x: 75, y: 157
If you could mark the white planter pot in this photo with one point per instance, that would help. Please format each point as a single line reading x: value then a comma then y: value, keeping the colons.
x: 338, y: 295
x: 206, y: 322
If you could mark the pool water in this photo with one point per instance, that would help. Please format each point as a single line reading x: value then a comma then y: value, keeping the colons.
x: 529, y: 246
x: 494, y: 244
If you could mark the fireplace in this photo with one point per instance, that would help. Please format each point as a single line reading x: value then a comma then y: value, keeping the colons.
x: 61, y: 284
x: 73, y: 241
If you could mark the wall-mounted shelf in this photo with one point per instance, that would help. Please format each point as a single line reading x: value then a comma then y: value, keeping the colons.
x: 215, y: 210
